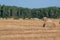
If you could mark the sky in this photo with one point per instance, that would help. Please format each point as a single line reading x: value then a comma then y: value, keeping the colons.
x: 31, y: 3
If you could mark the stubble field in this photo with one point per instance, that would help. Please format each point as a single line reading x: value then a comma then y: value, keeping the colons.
x: 28, y: 29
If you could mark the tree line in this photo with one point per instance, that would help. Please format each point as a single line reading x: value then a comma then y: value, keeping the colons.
x: 20, y: 12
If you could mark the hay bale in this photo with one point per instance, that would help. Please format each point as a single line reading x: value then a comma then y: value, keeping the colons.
x: 45, y: 19
x: 49, y: 24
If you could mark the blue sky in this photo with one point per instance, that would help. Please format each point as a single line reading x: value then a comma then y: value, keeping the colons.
x: 31, y: 3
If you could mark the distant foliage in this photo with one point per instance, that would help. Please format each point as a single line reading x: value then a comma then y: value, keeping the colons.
x: 20, y: 12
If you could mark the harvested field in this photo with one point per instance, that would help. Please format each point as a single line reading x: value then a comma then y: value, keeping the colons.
x: 28, y: 29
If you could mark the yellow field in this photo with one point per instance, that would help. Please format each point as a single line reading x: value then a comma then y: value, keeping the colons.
x: 28, y: 29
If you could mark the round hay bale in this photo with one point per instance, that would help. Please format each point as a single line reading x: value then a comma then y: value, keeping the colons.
x: 49, y: 24
x: 45, y: 19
